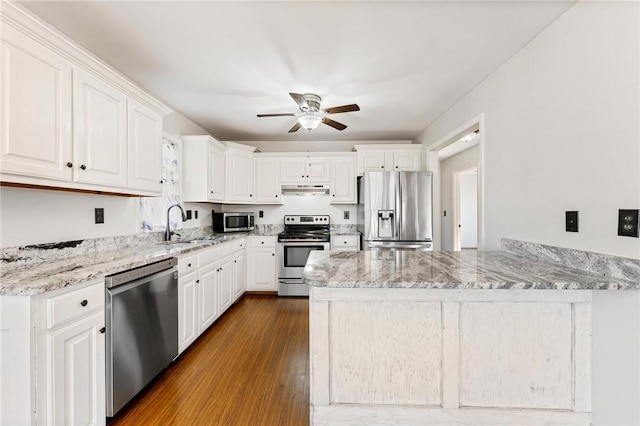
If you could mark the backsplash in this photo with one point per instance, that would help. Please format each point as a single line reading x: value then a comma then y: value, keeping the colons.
x: 595, y: 263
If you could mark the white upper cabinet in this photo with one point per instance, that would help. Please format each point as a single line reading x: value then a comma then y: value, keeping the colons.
x: 35, y: 110
x: 389, y: 158
x: 343, y: 180
x: 407, y: 160
x: 268, y: 181
x: 145, y: 148
x: 100, y: 131
x: 373, y: 161
x: 204, y: 169
x: 216, y: 175
x: 292, y: 170
x: 305, y: 170
x: 67, y: 120
x: 240, y: 173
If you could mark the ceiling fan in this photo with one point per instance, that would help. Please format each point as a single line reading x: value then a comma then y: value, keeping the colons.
x: 310, y: 115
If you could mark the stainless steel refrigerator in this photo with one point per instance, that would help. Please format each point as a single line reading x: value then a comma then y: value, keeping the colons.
x: 395, y: 210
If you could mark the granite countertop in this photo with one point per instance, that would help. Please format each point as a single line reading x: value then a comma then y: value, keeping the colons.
x: 347, y: 232
x: 52, y: 274
x: 449, y: 270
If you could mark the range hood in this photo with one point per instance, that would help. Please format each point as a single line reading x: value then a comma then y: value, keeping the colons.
x: 307, y: 189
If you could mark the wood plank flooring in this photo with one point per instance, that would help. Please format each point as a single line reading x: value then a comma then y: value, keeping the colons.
x: 250, y: 368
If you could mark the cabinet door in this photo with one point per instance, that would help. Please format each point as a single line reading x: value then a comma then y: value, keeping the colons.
x: 76, y: 373
x: 343, y: 180
x: 100, y: 132
x: 263, y: 270
x: 145, y: 148
x: 292, y: 170
x: 371, y: 161
x: 406, y: 161
x: 239, y: 274
x: 216, y: 173
x: 240, y: 176
x: 225, y: 283
x: 35, y: 109
x: 318, y: 170
x: 268, y: 180
x: 187, y: 310
x: 207, y: 297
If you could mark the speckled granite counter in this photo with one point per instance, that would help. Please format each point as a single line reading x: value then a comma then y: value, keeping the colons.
x: 449, y: 270
x: 21, y: 276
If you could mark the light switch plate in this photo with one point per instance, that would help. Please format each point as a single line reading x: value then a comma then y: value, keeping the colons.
x: 628, y: 223
x: 571, y: 221
x: 99, y: 215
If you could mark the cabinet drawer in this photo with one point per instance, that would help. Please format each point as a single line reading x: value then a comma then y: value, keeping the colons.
x: 207, y: 257
x: 263, y: 241
x: 187, y: 264
x: 74, y: 304
x: 239, y: 244
x: 347, y: 241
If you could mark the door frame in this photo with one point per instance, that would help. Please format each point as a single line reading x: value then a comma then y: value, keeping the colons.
x: 457, y: 237
x: 433, y: 164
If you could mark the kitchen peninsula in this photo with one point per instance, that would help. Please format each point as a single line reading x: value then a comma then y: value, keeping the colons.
x: 406, y: 337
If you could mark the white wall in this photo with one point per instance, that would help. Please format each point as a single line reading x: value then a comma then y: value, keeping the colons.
x: 33, y: 216
x: 561, y: 132
x: 461, y: 161
x: 469, y: 210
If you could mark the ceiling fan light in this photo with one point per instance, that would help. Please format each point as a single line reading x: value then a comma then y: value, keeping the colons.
x: 309, y: 122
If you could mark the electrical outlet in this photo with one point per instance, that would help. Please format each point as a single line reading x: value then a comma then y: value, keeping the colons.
x: 188, y: 214
x: 628, y: 223
x: 99, y: 215
x: 571, y: 221
x: 346, y: 214
x: 260, y: 213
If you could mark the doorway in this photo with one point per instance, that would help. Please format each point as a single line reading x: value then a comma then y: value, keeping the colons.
x: 465, y: 212
x: 459, y: 151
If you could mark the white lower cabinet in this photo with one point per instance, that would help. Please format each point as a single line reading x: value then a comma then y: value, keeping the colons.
x: 261, y: 267
x: 345, y: 243
x: 239, y: 274
x: 76, y: 373
x: 207, y: 297
x: 187, y: 311
x: 71, y: 357
x: 209, y: 281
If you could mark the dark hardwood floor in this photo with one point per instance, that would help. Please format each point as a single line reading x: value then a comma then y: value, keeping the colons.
x: 250, y: 368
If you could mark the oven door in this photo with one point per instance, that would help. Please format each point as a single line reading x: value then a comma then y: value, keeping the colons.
x: 293, y: 256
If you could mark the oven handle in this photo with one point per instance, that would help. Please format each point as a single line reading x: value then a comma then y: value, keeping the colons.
x: 290, y: 280
x: 305, y: 244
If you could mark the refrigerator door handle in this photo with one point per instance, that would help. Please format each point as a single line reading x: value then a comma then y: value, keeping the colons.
x: 398, y: 218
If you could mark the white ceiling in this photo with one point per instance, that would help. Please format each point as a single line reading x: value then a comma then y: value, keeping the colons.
x: 221, y: 63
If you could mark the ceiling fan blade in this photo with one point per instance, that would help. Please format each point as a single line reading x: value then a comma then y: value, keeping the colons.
x: 300, y: 100
x: 294, y: 128
x: 284, y: 114
x: 334, y: 124
x: 343, y: 108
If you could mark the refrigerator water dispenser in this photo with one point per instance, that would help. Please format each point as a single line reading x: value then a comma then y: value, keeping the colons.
x: 385, y: 224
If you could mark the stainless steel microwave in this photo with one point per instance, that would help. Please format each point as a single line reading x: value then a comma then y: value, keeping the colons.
x: 233, y: 222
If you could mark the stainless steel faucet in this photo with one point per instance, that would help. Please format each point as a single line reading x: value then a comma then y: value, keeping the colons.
x: 167, y: 231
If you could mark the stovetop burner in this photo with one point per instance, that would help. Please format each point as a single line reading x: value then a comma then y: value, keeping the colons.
x: 305, y: 228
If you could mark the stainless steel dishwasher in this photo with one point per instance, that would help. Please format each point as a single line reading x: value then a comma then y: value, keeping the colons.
x: 142, y: 328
